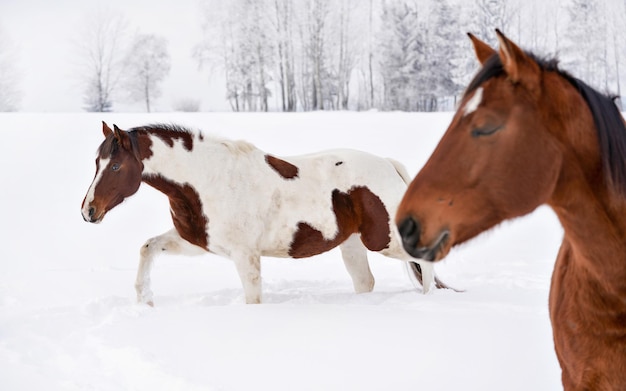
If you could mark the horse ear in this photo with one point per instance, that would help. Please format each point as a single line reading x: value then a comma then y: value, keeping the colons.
x: 482, y: 50
x: 122, y: 138
x: 105, y: 129
x: 517, y: 64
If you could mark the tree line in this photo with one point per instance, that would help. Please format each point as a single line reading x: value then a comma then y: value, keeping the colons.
x: 393, y: 54
x: 301, y: 55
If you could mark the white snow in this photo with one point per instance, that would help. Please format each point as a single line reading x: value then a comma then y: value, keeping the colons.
x: 68, y: 318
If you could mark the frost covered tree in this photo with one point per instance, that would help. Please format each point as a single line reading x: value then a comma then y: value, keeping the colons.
x: 446, y: 55
x: 391, y: 54
x: 101, y: 49
x: 492, y: 14
x: 316, y: 86
x: 147, y: 64
x: 237, y: 41
x: 585, y: 47
x: 10, y: 93
x: 283, y: 15
x: 401, y: 47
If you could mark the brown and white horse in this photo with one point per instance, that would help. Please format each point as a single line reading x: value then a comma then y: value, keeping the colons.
x: 528, y: 134
x: 232, y: 199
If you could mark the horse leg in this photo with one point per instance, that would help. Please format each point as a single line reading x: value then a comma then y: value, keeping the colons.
x: 428, y: 273
x: 249, y: 269
x: 354, y: 256
x: 420, y: 272
x: 169, y: 242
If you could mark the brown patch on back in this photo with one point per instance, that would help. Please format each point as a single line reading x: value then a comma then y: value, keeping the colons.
x: 186, y: 209
x: 283, y: 168
x: 357, y: 211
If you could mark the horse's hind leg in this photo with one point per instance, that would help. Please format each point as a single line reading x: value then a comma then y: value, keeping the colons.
x: 354, y: 256
x: 423, y: 272
x: 249, y: 270
x: 169, y: 242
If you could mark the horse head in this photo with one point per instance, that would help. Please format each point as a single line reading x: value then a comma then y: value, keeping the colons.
x: 500, y: 158
x: 118, y: 174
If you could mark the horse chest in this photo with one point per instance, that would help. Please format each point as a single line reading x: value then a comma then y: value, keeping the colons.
x: 186, y: 210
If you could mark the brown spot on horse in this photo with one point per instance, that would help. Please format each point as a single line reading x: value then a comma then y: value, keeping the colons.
x: 283, y: 168
x: 185, y: 208
x: 357, y: 211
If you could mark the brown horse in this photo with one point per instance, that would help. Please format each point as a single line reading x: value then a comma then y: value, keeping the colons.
x: 528, y: 134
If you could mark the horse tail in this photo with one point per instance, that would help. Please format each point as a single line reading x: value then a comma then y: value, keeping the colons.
x: 401, y: 170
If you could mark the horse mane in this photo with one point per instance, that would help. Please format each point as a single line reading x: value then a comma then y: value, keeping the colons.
x: 609, y: 123
x: 236, y: 147
x: 161, y: 127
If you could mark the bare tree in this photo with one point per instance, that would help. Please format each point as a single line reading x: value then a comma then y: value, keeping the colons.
x: 9, y: 76
x: 492, y: 14
x: 236, y: 39
x: 585, y: 44
x: 283, y: 26
x: 101, y: 52
x: 147, y: 64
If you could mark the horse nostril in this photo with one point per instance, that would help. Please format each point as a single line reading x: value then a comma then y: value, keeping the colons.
x: 409, y: 230
x: 92, y: 211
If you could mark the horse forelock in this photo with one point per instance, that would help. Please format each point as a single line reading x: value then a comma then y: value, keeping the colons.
x: 109, y: 147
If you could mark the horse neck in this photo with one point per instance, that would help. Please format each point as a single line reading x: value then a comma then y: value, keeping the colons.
x: 591, y: 212
x: 211, y: 166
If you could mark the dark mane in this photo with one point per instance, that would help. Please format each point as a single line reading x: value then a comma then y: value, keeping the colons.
x: 168, y: 133
x: 611, y: 134
x: 160, y: 127
x: 610, y: 126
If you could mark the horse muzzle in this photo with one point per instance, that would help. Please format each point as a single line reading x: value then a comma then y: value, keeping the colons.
x: 90, y: 215
x: 410, y: 232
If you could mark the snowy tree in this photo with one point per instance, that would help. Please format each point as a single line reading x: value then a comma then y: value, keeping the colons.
x: 147, y: 64
x: 283, y: 28
x: 401, y: 47
x: 446, y: 54
x: 316, y: 87
x: 10, y: 93
x: 101, y: 49
x: 491, y: 15
x: 245, y: 50
x: 347, y: 55
x: 392, y: 54
x: 585, y: 42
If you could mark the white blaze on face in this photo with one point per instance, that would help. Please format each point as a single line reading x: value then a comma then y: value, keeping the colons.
x: 474, y: 101
x: 103, y: 164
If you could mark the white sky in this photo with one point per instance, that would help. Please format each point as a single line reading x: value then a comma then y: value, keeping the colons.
x: 43, y: 31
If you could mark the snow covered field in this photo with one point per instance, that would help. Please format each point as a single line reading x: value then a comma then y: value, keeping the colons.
x: 68, y: 318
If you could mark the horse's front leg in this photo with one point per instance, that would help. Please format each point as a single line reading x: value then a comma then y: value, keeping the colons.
x: 169, y: 242
x: 249, y: 269
x: 354, y: 255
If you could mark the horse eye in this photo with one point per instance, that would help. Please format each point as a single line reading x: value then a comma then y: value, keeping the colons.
x: 486, y: 131
x: 115, y: 167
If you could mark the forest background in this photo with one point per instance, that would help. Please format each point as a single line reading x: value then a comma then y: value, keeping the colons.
x: 286, y: 55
